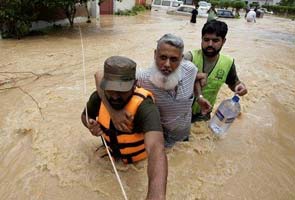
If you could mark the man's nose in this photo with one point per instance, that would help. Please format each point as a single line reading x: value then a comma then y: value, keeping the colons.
x: 115, y: 95
x: 210, y: 43
x: 167, y: 64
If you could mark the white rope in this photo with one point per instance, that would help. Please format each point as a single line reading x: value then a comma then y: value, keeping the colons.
x: 107, y: 148
x: 116, y: 172
x: 84, y: 74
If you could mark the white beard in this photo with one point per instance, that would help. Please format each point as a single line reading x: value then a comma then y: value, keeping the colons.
x: 165, y: 82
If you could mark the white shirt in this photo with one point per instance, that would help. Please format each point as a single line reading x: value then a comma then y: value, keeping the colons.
x: 251, y: 16
x: 175, y: 108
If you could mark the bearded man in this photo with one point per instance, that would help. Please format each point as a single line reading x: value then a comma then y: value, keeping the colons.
x: 219, y: 68
x: 174, y: 84
x: 146, y: 137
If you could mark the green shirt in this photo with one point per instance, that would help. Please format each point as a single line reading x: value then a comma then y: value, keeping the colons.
x: 232, y: 77
x: 147, y: 117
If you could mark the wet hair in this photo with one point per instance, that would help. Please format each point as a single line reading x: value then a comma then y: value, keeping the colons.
x: 215, y: 26
x: 172, y: 40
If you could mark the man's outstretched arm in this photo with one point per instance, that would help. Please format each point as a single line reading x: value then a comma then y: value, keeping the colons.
x: 157, y: 165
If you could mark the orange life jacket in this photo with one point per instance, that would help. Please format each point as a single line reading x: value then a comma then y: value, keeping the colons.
x: 127, y: 146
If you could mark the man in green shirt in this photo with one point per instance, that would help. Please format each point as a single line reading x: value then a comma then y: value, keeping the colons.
x: 146, y: 138
x: 218, y: 67
x: 212, y: 14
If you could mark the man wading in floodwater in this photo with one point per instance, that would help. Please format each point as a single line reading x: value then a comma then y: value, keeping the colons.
x: 219, y: 68
x: 146, y: 138
x: 174, y: 83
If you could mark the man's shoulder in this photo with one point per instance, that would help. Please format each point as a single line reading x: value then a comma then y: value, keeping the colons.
x: 147, y: 106
x: 147, y: 102
x: 143, y: 73
x: 147, y: 117
x: 194, y: 51
x: 188, y: 66
x: 225, y: 56
x: 95, y: 97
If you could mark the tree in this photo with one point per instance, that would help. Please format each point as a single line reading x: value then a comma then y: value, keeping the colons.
x: 16, y: 16
x: 214, y: 3
x: 238, y: 4
x: 224, y: 3
x: 69, y: 7
x: 287, y: 3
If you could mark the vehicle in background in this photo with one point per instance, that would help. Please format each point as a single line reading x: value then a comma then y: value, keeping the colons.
x: 259, y: 13
x: 222, y: 13
x: 184, y: 10
x: 164, y: 5
x: 204, y: 4
x: 266, y: 11
x: 203, y: 8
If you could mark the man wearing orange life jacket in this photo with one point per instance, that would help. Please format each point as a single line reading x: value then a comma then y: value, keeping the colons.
x: 146, y: 139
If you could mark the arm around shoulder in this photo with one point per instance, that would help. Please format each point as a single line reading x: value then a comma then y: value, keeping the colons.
x: 121, y: 119
x: 188, y: 56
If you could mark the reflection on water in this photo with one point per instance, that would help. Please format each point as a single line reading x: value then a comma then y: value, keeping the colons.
x: 55, y: 157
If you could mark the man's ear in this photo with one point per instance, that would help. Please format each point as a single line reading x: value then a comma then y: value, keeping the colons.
x: 224, y: 40
x: 155, y: 54
x: 134, y: 84
x: 97, y: 78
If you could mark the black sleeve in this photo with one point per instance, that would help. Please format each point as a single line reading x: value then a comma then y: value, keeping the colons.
x: 147, y: 117
x: 93, y: 105
x: 232, y: 77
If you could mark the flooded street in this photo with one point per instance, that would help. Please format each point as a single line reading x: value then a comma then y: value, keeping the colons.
x: 47, y: 154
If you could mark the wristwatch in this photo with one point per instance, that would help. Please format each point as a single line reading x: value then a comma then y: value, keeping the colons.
x: 198, y: 97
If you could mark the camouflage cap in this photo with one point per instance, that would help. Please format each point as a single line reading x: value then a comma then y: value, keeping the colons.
x: 119, y: 74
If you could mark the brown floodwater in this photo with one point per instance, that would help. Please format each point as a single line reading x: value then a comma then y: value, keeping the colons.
x: 46, y: 153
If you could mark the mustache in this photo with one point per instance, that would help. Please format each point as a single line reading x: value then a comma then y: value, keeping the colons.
x: 210, y: 48
x: 116, y: 101
x: 117, y: 104
x: 166, y: 71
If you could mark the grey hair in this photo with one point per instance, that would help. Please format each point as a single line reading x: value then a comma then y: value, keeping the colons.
x: 172, y: 40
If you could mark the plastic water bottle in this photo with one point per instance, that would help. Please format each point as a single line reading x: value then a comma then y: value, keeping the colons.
x: 226, y: 113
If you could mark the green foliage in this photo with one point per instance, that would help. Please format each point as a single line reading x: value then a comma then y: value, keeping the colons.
x: 254, y: 4
x: 125, y: 12
x: 287, y: 3
x: 214, y: 3
x: 281, y: 10
x: 238, y: 4
x: 134, y: 11
x: 16, y: 16
x: 224, y: 3
x: 138, y: 8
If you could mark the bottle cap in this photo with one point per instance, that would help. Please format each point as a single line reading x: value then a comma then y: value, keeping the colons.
x: 236, y: 98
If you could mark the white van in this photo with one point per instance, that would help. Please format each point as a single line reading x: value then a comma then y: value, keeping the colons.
x: 203, y: 8
x: 165, y: 5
